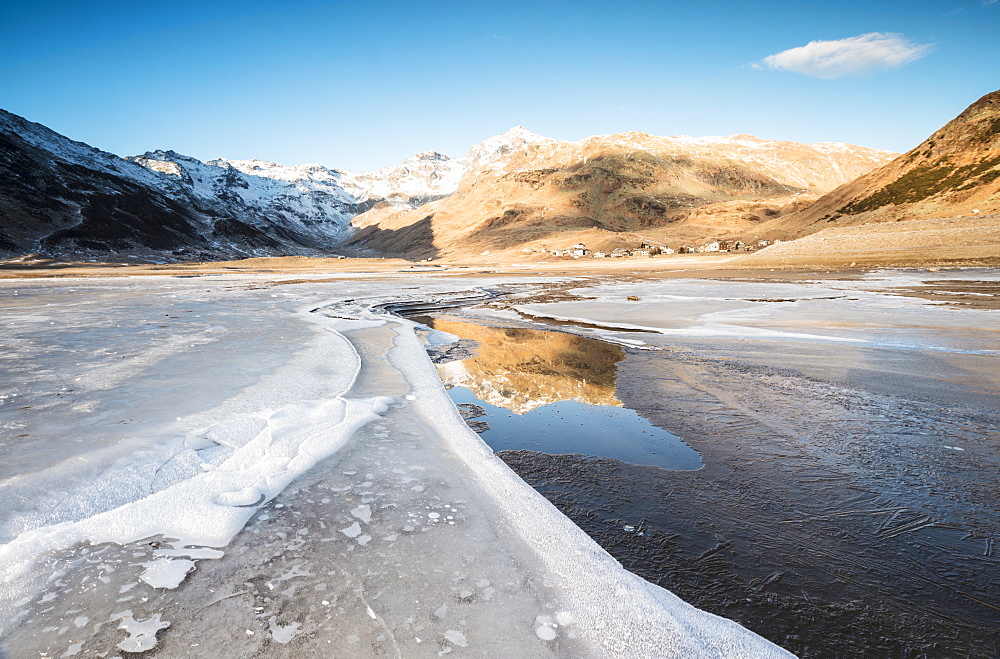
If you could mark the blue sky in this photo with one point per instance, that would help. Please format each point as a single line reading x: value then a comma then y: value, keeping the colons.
x: 360, y: 85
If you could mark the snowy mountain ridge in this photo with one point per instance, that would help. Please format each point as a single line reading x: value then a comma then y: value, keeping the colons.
x: 421, y: 178
x: 61, y: 147
x: 76, y: 195
x: 314, y: 199
x: 524, y: 191
x: 821, y: 164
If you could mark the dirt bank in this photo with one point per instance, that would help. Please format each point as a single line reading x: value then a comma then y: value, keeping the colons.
x: 972, y: 240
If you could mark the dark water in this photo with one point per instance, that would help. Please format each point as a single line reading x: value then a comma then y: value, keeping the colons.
x: 554, y: 393
x: 571, y: 426
x: 848, y: 538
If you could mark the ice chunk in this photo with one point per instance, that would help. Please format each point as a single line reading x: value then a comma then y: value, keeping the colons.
x: 364, y: 513
x: 166, y: 572
x: 352, y: 531
x: 456, y: 637
x: 142, y: 633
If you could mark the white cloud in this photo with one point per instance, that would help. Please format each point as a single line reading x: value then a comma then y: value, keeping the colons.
x: 865, y: 53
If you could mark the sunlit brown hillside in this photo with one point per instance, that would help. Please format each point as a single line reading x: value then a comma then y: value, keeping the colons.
x: 616, y: 190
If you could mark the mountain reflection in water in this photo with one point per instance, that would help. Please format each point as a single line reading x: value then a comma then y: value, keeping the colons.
x: 554, y: 393
x: 521, y: 369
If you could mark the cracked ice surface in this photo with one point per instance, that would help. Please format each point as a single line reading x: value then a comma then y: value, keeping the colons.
x: 207, y: 467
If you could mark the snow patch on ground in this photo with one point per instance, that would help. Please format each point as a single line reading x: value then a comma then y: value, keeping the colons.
x: 283, y: 633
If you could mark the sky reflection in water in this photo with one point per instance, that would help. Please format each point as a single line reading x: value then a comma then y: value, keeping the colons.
x: 555, y: 393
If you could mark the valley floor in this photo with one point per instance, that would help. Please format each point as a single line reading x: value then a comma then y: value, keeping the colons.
x: 266, y: 465
x: 225, y: 466
x: 970, y: 241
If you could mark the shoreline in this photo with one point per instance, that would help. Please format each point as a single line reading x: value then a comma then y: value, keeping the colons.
x: 951, y: 242
x: 722, y: 266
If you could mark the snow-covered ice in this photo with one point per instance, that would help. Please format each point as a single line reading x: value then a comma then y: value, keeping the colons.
x: 191, y: 465
x: 848, y: 312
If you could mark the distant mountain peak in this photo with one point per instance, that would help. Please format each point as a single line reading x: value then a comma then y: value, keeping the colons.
x: 429, y: 155
x: 165, y: 154
x: 522, y: 132
x: 250, y: 163
x: 516, y: 135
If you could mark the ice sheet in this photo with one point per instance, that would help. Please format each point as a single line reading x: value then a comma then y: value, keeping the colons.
x: 198, y: 438
x: 645, y: 620
x: 830, y: 312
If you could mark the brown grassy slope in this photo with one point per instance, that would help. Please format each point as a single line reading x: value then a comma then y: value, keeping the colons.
x: 953, y: 241
x: 609, y: 191
x: 954, y: 172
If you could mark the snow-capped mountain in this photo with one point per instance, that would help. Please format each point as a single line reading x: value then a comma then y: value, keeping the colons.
x: 306, y: 205
x: 494, y: 151
x: 415, y: 181
x: 429, y: 176
x: 58, y: 196
x: 62, y: 197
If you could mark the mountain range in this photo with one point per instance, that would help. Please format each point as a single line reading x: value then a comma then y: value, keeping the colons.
x: 64, y: 198
x: 614, y: 190
x: 515, y: 192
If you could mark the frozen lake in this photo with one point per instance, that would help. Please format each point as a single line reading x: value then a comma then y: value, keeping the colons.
x: 849, y: 431
x: 230, y: 465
